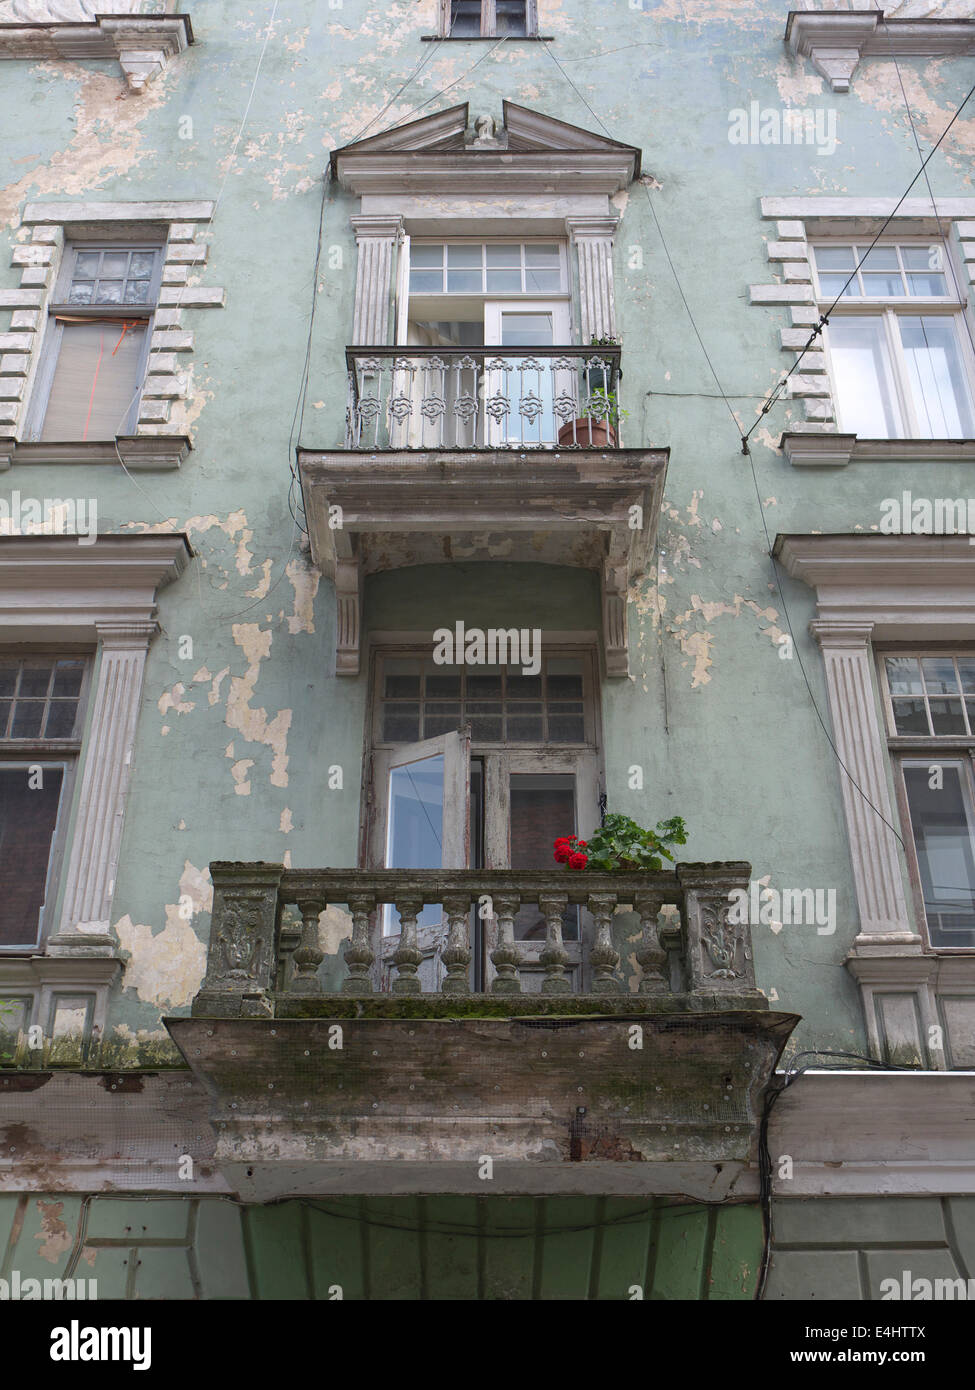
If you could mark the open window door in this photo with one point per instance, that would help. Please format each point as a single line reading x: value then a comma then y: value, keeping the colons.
x: 421, y: 820
x: 520, y: 390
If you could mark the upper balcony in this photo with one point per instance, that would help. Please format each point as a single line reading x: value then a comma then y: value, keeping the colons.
x: 652, y: 1083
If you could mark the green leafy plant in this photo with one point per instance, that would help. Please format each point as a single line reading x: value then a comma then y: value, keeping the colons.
x: 603, y: 405
x: 595, y: 341
x: 622, y: 846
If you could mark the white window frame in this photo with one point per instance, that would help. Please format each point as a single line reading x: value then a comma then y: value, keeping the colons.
x: 889, y: 308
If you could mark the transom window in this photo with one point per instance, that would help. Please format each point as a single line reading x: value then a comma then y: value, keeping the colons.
x: 500, y: 267
x: 96, y: 343
x: 41, y: 703
x: 473, y: 19
x: 899, y: 352
x: 421, y: 700
x: 930, y: 700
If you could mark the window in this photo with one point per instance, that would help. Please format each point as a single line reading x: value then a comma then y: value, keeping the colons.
x: 931, y: 711
x: 477, y: 19
x: 526, y: 773
x: 455, y: 293
x: 898, y: 344
x: 41, y: 701
x: 97, y: 343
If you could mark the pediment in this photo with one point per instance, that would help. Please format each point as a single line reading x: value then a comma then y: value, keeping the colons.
x: 450, y: 149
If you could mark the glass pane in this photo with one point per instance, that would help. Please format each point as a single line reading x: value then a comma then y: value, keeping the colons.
x: 426, y: 255
x: 143, y: 263
x: 60, y: 719
x: 403, y: 687
x: 883, y: 286
x: 937, y: 378
x: 511, y: 18
x: 923, y: 257
x: 504, y: 281
x: 564, y: 687
x: 526, y: 330
x: 440, y: 719
x: 489, y: 687
x: 910, y: 717
x: 542, y: 253
x: 566, y: 726
x: 81, y: 292
x: 414, y: 833
x: 833, y: 285
x: 426, y: 281
x: 543, y: 281
x: 835, y: 258
x: 465, y: 18
x: 859, y: 357
x: 880, y: 258
x: 86, y: 265
x: 5, y: 707
x: 115, y: 263
x: 109, y: 292
x: 524, y: 729
x: 942, y: 837
x: 443, y: 687
x: 401, y: 723
x: 27, y: 819
x: 35, y: 679
x: 524, y: 688
x: 464, y: 281
x: 68, y: 676
x: 503, y: 253
x: 947, y: 717
x: 484, y: 728
x: 927, y: 284
x: 8, y: 676
x: 903, y: 675
x: 464, y: 257
x: 939, y: 675
x: 137, y: 292
x: 28, y: 715
x: 966, y: 669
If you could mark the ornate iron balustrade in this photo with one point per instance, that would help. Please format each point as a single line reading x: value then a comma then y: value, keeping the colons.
x: 254, y: 964
x: 483, y: 398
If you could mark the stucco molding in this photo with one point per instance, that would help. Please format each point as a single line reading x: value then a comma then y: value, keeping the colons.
x: 180, y: 226
x: 143, y: 43
x: 59, y: 589
x: 805, y: 449
x: 377, y: 237
x: 593, y: 238
x: 837, y: 40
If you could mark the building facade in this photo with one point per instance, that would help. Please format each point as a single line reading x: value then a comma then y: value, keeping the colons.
x: 426, y: 430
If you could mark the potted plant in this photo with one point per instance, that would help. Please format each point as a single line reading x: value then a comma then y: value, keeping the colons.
x: 621, y: 846
x: 596, y: 427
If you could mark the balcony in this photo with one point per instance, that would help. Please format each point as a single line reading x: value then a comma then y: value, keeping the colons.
x: 648, y: 1085
x: 459, y: 398
x: 451, y: 453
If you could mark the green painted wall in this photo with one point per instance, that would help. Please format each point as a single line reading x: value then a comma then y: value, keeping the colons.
x: 741, y: 755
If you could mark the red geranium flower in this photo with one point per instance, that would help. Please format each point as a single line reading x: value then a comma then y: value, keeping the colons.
x: 578, y: 861
x: 562, y: 853
x: 564, y: 840
x: 581, y: 844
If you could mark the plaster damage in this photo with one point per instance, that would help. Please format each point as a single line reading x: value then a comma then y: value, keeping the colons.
x: 166, y: 968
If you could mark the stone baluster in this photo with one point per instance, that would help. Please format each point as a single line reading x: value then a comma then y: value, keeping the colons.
x: 309, y: 955
x: 407, y: 956
x: 651, y: 956
x: 555, y: 957
x: 359, y: 956
x: 506, y: 956
x: 456, y: 955
x: 604, y: 957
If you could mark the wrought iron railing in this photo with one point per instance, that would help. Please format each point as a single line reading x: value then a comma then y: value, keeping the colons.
x: 703, y: 949
x: 483, y: 398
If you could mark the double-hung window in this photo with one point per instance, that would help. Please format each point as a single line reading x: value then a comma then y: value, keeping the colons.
x: 96, y: 346
x: 899, y: 349
x: 482, y: 19
x: 930, y: 702
x: 41, y: 710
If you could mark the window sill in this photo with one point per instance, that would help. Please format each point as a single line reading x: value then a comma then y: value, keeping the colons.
x: 154, y: 452
x: 815, y: 449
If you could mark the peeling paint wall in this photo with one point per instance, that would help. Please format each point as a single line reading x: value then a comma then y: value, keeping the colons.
x: 242, y: 716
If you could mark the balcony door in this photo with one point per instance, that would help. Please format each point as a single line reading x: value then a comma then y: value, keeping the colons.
x: 519, y: 396
x: 482, y: 767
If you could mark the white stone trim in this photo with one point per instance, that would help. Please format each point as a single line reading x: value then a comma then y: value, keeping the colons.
x: 593, y: 239
x: 875, y: 588
x: 57, y: 589
x: 846, y: 218
x: 144, y: 44
x: 376, y: 239
x: 836, y: 38
x: 168, y: 379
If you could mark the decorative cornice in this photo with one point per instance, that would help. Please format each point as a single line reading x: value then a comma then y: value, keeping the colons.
x: 143, y: 43
x: 837, y: 40
x: 824, y: 449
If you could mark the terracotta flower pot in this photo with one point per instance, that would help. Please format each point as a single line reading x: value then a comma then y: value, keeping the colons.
x: 590, y: 434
